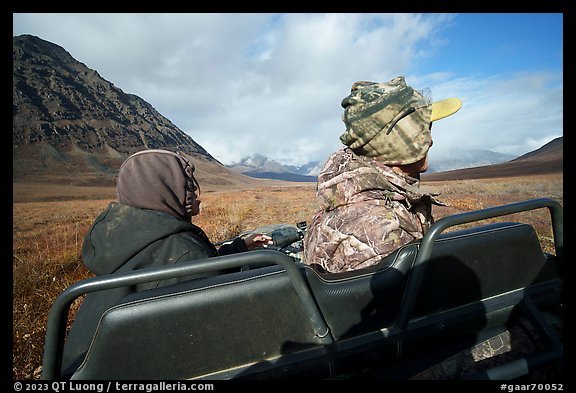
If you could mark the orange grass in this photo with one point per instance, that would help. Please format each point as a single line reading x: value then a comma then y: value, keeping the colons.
x: 47, y: 239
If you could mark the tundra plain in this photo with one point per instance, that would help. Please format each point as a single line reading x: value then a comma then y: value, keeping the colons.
x: 50, y: 222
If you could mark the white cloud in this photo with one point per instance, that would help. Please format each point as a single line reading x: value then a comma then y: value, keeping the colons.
x: 273, y: 83
x: 512, y: 114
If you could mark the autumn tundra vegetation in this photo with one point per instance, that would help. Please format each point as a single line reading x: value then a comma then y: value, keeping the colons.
x: 50, y: 222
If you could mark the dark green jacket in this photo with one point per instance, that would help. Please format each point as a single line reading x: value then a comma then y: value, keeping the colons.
x: 125, y: 238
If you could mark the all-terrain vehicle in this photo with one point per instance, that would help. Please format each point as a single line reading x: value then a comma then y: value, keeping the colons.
x: 483, y: 302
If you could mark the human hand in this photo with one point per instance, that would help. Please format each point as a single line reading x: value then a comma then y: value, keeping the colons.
x: 257, y: 240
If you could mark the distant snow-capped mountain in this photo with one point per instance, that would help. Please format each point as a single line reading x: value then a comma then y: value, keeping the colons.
x: 311, y: 168
x: 260, y: 166
x: 465, y: 158
x: 258, y: 163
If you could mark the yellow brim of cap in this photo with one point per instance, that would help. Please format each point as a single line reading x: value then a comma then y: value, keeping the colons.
x: 445, y: 108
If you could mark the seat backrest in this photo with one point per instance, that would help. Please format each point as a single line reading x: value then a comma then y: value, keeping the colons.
x: 473, y: 265
x: 465, y: 266
x: 201, y: 327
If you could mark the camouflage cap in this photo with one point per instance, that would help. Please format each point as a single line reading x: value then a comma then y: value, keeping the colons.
x: 388, y: 120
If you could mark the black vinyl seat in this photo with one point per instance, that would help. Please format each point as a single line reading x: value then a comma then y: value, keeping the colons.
x: 466, y: 266
x: 242, y: 323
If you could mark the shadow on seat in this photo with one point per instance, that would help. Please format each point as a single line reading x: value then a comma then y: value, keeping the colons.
x: 252, y: 323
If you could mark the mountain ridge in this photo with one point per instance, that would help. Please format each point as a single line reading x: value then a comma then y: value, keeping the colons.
x: 261, y: 167
x: 68, y: 122
x: 545, y: 160
x: 71, y: 126
x: 465, y: 158
x: 476, y: 161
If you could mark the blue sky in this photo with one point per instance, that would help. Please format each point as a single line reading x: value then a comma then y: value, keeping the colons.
x: 272, y: 83
x: 491, y: 44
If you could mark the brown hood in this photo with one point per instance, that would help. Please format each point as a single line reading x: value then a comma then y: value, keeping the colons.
x: 158, y: 180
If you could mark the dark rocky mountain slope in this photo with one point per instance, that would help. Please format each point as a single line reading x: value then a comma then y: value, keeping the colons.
x: 71, y: 126
x: 70, y: 123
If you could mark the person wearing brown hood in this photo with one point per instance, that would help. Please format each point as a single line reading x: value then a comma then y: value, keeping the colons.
x: 150, y: 225
x: 369, y: 195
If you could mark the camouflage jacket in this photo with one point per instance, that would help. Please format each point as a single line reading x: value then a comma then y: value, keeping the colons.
x: 366, y: 212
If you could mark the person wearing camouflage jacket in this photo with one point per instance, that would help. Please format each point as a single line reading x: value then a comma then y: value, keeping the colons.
x: 369, y: 195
